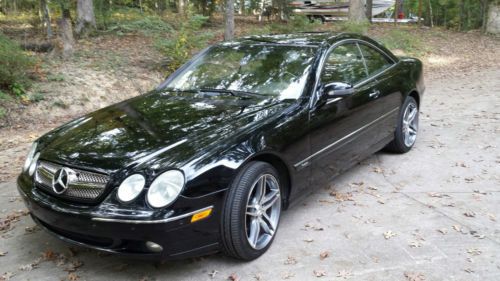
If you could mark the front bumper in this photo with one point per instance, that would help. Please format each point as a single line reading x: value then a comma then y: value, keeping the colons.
x: 178, y: 237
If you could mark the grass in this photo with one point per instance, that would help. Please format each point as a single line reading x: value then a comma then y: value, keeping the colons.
x: 400, y: 39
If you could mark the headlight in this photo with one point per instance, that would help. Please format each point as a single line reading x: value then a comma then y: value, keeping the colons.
x: 31, y: 169
x: 29, y: 158
x: 130, y: 188
x: 165, y: 188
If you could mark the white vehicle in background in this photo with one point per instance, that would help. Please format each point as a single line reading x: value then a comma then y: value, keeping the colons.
x: 330, y: 10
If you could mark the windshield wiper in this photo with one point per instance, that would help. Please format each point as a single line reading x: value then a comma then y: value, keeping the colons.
x: 231, y: 92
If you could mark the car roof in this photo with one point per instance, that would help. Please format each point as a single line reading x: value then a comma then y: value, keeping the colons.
x: 302, y: 38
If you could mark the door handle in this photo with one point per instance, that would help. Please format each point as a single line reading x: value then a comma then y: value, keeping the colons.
x: 374, y: 94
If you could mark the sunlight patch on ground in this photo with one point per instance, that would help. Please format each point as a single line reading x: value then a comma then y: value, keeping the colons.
x: 437, y: 60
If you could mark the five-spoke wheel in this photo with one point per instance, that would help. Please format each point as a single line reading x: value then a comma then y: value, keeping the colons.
x: 252, y: 210
x: 407, y: 127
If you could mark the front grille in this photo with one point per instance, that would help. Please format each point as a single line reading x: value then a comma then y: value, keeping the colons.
x: 84, y: 186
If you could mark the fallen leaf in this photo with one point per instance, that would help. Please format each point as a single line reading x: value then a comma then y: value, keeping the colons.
x: 443, y: 230
x: 389, y: 234
x: 474, y: 251
x: 73, y: 277
x: 3, y: 253
x: 6, y: 276
x: 233, y: 277
x: 213, y: 273
x: 308, y: 240
x: 27, y: 267
x: 319, y: 273
x: 290, y: 260
x: 288, y: 275
x: 470, y: 214
x: 415, y: 244
x: 414, y: 276
x: 344, y: 274
x: 468, y: 270
x: 492, y: 217
x: 324, y: 255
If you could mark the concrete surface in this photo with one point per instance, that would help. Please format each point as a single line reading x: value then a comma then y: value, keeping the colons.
x: 431, y: 214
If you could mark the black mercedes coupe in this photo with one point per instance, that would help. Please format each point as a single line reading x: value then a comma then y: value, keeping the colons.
x: 208, y: 161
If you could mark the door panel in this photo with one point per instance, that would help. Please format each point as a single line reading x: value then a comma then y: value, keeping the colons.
x: 345, y: 130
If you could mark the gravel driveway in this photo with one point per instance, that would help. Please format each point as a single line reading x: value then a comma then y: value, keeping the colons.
x: 431, y: 214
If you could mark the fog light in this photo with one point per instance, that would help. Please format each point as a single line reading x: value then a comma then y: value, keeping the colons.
x: 153, y: 247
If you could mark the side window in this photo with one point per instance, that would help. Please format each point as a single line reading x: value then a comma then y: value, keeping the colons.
x: 375, y: 61
x: 344, y: 64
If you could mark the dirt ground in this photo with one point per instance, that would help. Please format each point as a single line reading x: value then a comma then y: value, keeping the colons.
x: 430, y: 214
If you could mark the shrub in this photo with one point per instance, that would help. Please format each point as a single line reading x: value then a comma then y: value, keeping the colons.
x: 146, y: 25
x: 402, y: 40
x: 353, y: 27
x: 14, y: 67
x: 179, y: 47
x: 295, y: 24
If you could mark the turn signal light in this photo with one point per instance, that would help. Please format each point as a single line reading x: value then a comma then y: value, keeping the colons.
x: 201, y: 215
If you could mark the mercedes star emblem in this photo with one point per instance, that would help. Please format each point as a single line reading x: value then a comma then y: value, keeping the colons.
x: 61, y: 180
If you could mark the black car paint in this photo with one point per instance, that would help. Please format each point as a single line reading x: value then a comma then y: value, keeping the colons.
x: 209, y: 144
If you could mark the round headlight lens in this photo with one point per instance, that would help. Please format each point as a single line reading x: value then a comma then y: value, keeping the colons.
x: 29, y: 158
x: 32, y: 167
x: 165, y: 188
x: 130, y: 188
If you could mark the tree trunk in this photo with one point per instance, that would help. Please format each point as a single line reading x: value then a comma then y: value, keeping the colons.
x: 85, y: 17
x: 484, y: 14
x: 180, y: 6
x: 242, y: 7
x: 462, y: 15
x: 46, y: 17
x: 419, y: 12
x: 369, y: 8
x: 493, y: 23
x: 66, y: 34
x: 229, y: 20
x: 396, y: 11
x: 357, y: 11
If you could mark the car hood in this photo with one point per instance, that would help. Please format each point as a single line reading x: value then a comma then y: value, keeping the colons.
x: 143, y: 127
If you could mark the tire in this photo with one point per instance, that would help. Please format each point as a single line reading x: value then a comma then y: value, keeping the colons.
x: 404, y: 141
x: 243, y: 223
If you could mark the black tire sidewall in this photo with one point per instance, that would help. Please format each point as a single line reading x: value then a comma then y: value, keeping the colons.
x: 235, y: 239
x: 399, y: 137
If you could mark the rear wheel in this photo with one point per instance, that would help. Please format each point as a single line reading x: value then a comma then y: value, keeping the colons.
x: 252, y: 211
x: 406, y: 129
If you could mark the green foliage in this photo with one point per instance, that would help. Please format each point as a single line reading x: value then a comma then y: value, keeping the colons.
x: 59, y: 77
x: 147, y: 25
x: 353, y: 27
x: 180, y: 45
x: 15, y: 65
x: 295, y: 24
x: 3, y: 112
x: 402, y: 40
x: 36, y: 97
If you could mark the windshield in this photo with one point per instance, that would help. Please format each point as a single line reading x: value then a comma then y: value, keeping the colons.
x: 274, y: 70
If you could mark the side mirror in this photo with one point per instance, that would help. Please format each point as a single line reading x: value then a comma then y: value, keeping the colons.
x: 337, y: 90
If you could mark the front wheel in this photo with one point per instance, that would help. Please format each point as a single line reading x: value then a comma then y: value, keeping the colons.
x: 406, y: 129
x: 252, y: 211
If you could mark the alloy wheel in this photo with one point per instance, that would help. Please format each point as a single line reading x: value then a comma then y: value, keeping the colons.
x: 410, y: 124
x: 262, y: 211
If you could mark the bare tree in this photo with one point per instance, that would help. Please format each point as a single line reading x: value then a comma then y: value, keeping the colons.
x: 44, y: 8
x: 241, y: 11
x: 357, y: 11
x: 85, y: 17
x: 65, y: 32
x: 180, y: 6
x: 369, y: 8
x: 229, y: 20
